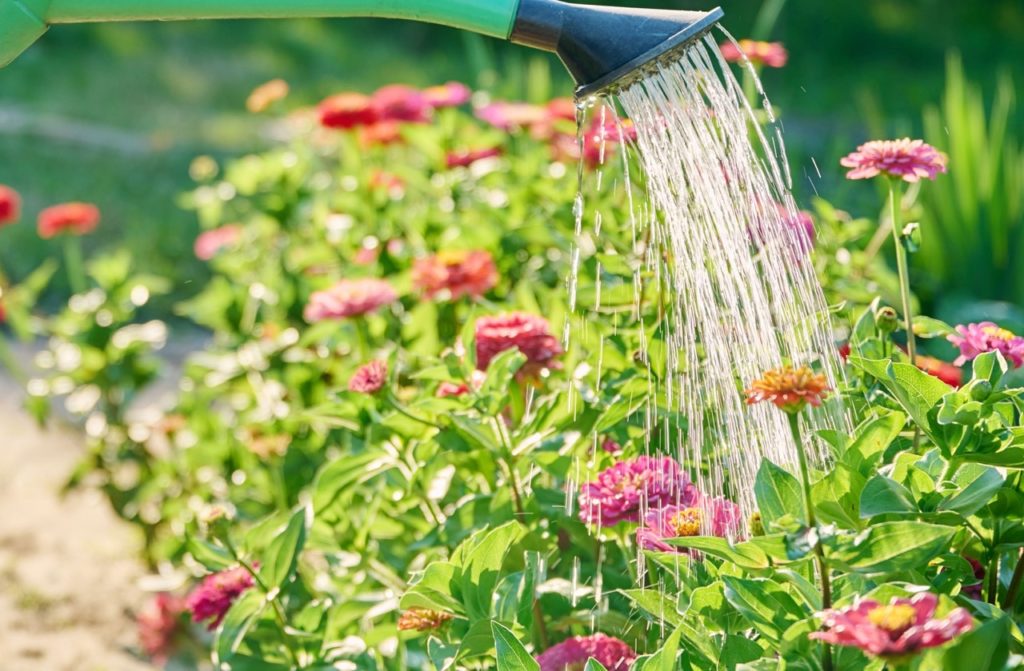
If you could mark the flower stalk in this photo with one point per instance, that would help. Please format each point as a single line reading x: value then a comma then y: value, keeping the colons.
x: 73, y: 263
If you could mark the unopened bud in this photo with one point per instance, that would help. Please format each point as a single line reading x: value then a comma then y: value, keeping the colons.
x: 887, y: 319
x: 981, y: 390
x: 756, y: 525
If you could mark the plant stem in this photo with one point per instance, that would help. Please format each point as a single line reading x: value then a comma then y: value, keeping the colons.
x: 402, y: 410
x: 904, y: 273
x: 951, y: 468
x: 819, y: 553
x: 73, y: 264
x: 1011, y: 592
x: 993, y: 567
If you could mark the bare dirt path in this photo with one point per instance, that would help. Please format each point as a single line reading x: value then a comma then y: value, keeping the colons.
x: 68, y: 568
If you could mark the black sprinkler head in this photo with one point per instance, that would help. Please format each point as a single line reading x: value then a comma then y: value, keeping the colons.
x: 605, y: 48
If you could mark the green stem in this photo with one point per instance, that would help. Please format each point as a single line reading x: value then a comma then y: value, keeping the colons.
x: 1011, y: 592
x: 402, y: 410
x: 904, y: 273
x: 819, y: 552
x: 952, y: 466
x: 362, y: 338
x: 73, y: 263
x: 993, y: 567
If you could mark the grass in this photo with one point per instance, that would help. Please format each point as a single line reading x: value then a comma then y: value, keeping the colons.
x: 114, y: 113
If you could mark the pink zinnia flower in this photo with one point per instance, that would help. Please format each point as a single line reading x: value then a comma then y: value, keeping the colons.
x: 772, y: 54
x: 74, y: 218
x: 611, y: 446
x: 903, y: 627
x: 511, y: 116
x: 369, y: 378
x: 464, y: 159
x: 599, y: 142
x: 158, y: 625
x: 562, y: 108
x: 349, y: 298
x: 801, y: 224
x: 975, y: 339
x: 455, y: 273
x: 451, y: 94
x: 907, y: 159
x: 708, y: 517
x: 208, y: 243
x: 529, y: 333
x: 573, y: 653
x: 448, y: 389
x: 10, y: 205
x: 346, y: 110
x: 397, y: 102
x: 212, y: 599
x: 622, y: 492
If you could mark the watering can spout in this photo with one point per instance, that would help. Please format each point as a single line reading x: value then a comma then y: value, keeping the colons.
x: 603, y: 47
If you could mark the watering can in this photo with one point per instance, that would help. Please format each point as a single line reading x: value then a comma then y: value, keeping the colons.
x: 602, y: 47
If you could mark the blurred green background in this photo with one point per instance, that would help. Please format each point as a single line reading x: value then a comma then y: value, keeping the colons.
x: 114, y: 113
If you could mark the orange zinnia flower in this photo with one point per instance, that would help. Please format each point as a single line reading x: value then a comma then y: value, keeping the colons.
x: 790, y: 389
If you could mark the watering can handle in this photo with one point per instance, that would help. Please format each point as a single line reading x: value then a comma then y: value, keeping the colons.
x: 22, y: 22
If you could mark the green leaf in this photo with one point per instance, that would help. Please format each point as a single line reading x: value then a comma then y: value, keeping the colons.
x: 236, y: 624
x: 837, y: 497
x: 339, y: 476
x: 282, y: 555
x: 986, y: 648
x: 512, y: 655
x: 927, y: 327
x: 746, y: 555
x: 882, y: 496
x: 594, y: 665
x: 778, y: 493
x: 665, y: 658
x: 989, y: 366
x: 213, y: 557
x: 871, y: 439
x: 441, y: 654
x: 434, y: 589
x: 765, y: 604
x: 482, y: 567
x: 656, y: 604
x: 916, y: 391
x: 981, y: 485
x: 891, y: 547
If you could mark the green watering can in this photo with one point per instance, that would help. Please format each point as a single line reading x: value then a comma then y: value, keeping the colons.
x: 602, y: 47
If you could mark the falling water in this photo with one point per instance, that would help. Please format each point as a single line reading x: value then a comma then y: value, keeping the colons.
x: 744, y: 297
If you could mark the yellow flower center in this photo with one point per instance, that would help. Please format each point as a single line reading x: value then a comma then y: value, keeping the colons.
x: 895, y: 617
x: 1000, y: 333
x: 686, y: 522
x: 452, y: 257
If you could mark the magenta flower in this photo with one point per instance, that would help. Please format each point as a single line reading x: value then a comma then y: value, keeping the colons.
x: 624, y: 491
x: 611, y: 446
x: 369, y: 378
x: 212, y: 599
x: 529, y: 333
x: 512, y: 116
x: 903, y: 627
x: 709, y: 517
x: 975, y: 339
x: 573, y: 653
x: 907, y: 159
x: 772, y: 54
x: 451, y: 94
x: 10, y: 205
x: 208, y: 243
x: 349, y: 298
x: 397, y: 102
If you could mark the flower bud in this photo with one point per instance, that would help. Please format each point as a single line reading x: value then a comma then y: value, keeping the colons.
x: 981, y: 390
x: 887, y: 319
x: 756, y: 524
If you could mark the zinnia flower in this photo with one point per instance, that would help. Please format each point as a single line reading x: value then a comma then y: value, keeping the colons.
x: 208, y: 243
x: 397, y: 102
x: 709, y: 517
x: 772, y: 54
x: 622, y: 492
x: 74, y: 218
x: 10, y: 205
x: 947, y: 372
x: 903, y: 627
x: 346, y: 110
x: 464, y: 159
x: 791, y: 389
x: 451, y: 94
x: 530, y: 334
x: 265, y: 95
x: 421, y: 619
x: 349, y: 298
x: 907, y: 159
x: 369, y: 378
x: 610, y: 446
x: 511, y: 116
x: 801, y: 224
x: 975, y: 339
x: 212, y: 599
x: 573, y: 653
x: 158, y: 625
x: 455, y: 273
x: 448, y: 389
x: 386, y: 181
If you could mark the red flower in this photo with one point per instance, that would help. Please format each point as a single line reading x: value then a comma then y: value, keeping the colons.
x: 903, y: 627
x: 451, y: 94
x: 398, y: 102
x: 947, y: 372
x: 464, y: 159
x: 158, y: 625
x: 349, y: 298
x: 212, y: 599
x: 75, y: 218
x: 10, y: 205
x: 369, y: 378
x: 529, y: 333
x: 455, y: 274
x: 208, y: 243
x: 347, y: 110
x: 772, y: 54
